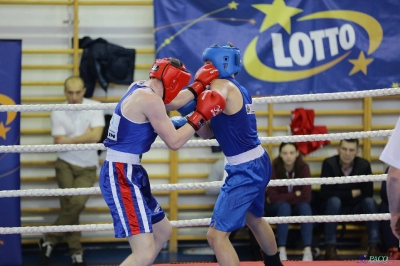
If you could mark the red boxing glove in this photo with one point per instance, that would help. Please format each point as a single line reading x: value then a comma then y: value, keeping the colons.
x: 209, y: 104
x: 203, y: 77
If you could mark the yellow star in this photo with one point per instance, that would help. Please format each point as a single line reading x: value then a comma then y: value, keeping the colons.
x: 233, y: 5
x: 395, y: 85
x: 277, y: 13
x: 360, y: 64
x: 3, y: 130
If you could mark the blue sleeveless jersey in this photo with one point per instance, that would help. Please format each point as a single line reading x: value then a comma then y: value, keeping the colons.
x: 127, y: 136
x: 237, y: 133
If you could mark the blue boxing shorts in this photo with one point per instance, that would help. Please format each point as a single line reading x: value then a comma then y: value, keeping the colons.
x: 243, y: 191
x: 126, y: 190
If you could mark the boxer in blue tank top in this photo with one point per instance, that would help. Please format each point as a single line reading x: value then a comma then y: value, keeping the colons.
x: 124, y: 182
x: 241, y: 198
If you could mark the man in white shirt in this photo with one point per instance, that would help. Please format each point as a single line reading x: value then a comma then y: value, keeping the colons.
x: 391, y: 156
x: 74, y: 169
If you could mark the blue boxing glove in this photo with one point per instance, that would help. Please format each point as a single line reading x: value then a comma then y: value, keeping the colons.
x: 188, y: 108
x: 178, y: 121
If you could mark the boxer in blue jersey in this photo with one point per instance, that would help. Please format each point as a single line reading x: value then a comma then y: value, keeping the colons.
x: 138, y: 118
x: 241, y: 199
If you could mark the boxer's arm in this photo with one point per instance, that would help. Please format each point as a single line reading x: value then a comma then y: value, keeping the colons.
x: 184, y: 96
x: 220, y: 85
x: 205, y: 132
x: 162, y: 124
x: 393, y: 191
x: 188, y: 108
x: 178, y: 121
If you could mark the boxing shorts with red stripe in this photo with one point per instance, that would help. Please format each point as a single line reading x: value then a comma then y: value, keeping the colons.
x: 126, y: 189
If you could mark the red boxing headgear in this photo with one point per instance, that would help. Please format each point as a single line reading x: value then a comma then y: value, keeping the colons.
x: 173, y: 78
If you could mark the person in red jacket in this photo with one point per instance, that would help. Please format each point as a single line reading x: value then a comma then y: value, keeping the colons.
x: 288, y: 200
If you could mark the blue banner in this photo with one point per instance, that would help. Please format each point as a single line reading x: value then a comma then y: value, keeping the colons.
x: 291, y: 46
x: 10, y: 93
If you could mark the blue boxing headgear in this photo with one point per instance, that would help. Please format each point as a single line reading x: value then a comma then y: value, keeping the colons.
x: 225, y: 58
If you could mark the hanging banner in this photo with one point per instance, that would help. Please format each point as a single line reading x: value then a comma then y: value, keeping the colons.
x: 10, y: 94
x: 289, y: 46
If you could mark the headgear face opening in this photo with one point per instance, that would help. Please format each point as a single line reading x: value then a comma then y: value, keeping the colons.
x: 173, y: 78
x: 225, y: 58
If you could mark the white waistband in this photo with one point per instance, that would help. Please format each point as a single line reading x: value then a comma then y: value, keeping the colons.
x: 246, y: 156
x: 122, y: 157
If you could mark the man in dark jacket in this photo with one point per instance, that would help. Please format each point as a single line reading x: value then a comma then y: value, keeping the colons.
x: 350, y: 198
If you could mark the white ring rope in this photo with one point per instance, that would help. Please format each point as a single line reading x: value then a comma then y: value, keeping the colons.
x: 271, y: 99
x: 199, y: 222
x: 56, y: 107
x: 198, y: 143
x: 327, y: 96
x: 194, y: 186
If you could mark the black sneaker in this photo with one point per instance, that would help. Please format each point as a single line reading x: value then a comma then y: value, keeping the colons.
x: 77, y: 260
x: 45, y: 251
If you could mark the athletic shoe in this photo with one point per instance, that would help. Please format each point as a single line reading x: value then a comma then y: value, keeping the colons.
x: 307, y: 256
x: 282, y: 254
x: 45, y: 251
x: 77, y: 260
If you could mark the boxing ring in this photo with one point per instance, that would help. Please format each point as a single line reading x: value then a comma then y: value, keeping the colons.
x: 206, y: 185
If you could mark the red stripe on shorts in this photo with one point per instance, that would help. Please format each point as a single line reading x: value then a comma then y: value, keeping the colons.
x: 126, y: 196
